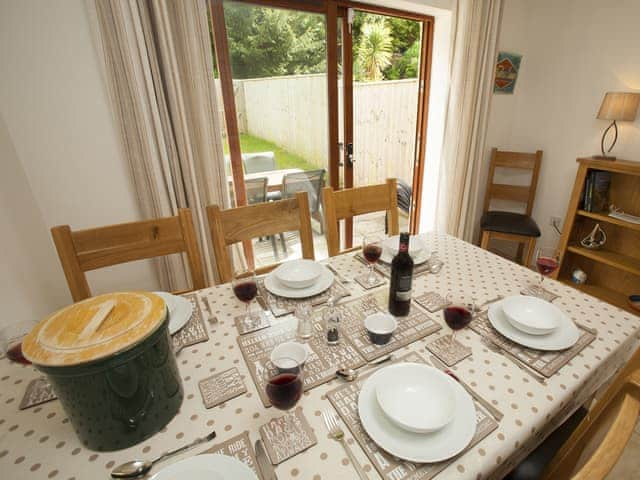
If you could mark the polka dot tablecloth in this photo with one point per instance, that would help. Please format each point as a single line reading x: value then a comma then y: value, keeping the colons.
x: 39, y: 443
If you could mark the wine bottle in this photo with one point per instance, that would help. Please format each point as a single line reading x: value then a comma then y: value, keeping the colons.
x: 401, y: 279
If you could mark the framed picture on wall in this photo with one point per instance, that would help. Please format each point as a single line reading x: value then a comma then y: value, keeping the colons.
x: 507, y: 68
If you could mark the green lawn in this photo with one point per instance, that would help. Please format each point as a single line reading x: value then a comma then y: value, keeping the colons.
x: 284, y: 158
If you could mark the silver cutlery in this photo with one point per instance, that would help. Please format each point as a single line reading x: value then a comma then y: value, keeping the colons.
x: 519, y: 363
x: 264, y: 464
x: 350, y: 375
x: 137, y: 468
x: 495, y: 413
x: 592, y: 331
x: 341, y: 278
x: 335, y: 431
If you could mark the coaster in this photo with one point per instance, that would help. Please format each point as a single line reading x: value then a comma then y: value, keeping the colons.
x: 449, y: 350
x: 38, y: 391
x: 221, y: 387
x: 194, y: 331
x: 240, y: 448
x: 259, y: 320
x: 432, y: 301
x: 362, y: 280
x: 286, y: 436
x: 544, y: 295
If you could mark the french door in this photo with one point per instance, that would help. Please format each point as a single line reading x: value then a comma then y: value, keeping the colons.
x: 322, y: 85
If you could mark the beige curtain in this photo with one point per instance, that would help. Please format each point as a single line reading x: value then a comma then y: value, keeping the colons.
x: 158, y: 60
x: 474, y: 49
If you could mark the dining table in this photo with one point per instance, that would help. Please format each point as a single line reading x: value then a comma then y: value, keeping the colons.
x: 39, y: 442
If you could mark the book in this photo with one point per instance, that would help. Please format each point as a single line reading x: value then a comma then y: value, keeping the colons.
x: 600, y: 191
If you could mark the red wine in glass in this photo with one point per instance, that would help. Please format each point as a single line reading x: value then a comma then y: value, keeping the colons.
x: 284, y: 390
x: 457, y: 317
x: 246, y: 291
x: 372, y: 253
x: 546, y: 265
x: 14, y: 353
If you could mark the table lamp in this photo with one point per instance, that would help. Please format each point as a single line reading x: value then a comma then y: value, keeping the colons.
x: 616, y: 106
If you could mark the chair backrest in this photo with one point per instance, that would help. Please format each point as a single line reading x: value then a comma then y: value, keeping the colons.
x: 261, y: 220
x: 515, y: 193
x: 95, y: 248
x: 258, y: 162
x: 256, y: 189
x: 311, y: 181
x: 357, y: 201
x: 617, y: 412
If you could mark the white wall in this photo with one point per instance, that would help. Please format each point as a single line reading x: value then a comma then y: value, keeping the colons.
x: 574, y: 51
x: 54, y: 102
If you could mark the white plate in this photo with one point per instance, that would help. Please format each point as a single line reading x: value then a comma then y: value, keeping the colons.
x: 417, y: 398
x: 298, y: 273
x: 206, y: 467
x: 180, y: 310
x: 423, y: 256
x: 532, y: 315
x: 391, y: 245
x: 565, y: 336
x: 417, y: 447
x: 274, y: 286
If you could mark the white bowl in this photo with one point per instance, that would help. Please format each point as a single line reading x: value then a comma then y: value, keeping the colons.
x: 416, y: 397
x: 296, y: 351
x: 298, y: 273
x: 392, y: 244
x: 380, y: 327
x: 532, y: 315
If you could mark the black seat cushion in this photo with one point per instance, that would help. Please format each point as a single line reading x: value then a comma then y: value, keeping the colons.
x: 509, y: 222
x: 531, y: 468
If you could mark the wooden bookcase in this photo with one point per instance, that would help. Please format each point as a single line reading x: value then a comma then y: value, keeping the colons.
x: 614, y: 271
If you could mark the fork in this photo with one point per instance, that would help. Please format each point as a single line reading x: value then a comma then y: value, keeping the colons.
x: 336, y: 432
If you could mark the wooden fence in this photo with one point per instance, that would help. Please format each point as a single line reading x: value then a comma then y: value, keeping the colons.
x: 291, y: 111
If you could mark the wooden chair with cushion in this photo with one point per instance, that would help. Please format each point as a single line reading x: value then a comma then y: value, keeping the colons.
x: 517, y: 227
x: 590, y: 448
x: 351, y: 202
x: 261, y: 220
x: 95, y: 248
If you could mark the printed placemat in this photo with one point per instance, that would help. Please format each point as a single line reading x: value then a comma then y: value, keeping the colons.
x: 416, y: 325
x: 362, y: 280
x: 544, y: 294
x: 432, y: 301
x: 221, y: 387
x: 320, y: 367
x: 543, y: 362
x: 449, y: 350
x: 38, y: 391
x: 385, y: 268
x: 194, y: 331
x: 286, y: 436
x: 280, y: 306
x: 345, y: 400
x: 258, y: 321
x: 240, y: 448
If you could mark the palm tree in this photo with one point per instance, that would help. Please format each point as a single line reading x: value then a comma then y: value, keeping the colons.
x: 374, y: 51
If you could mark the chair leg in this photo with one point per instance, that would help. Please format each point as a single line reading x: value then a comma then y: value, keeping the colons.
x: 284, y: 243
x: 486, y: 236
x: 520, y: 254
x: 274, y: 247
x: 531, y: 245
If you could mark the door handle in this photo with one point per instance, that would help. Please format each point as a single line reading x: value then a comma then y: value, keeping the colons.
x: 349, y: 154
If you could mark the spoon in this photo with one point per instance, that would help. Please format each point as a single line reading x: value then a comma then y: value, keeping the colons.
x: 349, y: 374
x: 137, y: 468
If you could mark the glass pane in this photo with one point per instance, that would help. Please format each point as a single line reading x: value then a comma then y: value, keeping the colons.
x: 278, y: 63
x: 386, y: 54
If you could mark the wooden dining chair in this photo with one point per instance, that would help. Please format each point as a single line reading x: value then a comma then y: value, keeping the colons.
x: 588, y: 450
x: 516, y: 227
x: 351, y: 202
x: 261, y: 220
x: 94, y: 248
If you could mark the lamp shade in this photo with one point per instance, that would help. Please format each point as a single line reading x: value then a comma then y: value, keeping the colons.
x: 619, y: 106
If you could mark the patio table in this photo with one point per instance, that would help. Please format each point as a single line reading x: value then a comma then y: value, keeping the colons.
x: 274, y: 177
x: 39, y: 443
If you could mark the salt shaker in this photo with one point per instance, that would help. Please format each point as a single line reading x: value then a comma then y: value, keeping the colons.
x: 332, y: 319
x: 304, y: 314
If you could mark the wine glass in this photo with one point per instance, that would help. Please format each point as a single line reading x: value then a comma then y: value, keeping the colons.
x: 284, y: 382
x: 458, y: 313
x: 547, y: 260
x: 245, y: 289
x: 371, y: 250
x: 11, y: 337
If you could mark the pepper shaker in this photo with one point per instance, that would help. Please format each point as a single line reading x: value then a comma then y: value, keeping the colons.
x: 332, y: 319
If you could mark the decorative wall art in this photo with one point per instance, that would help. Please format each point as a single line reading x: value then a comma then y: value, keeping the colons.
x: 507, y: 68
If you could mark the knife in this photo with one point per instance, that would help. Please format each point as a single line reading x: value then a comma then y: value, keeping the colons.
x: 264, y: 464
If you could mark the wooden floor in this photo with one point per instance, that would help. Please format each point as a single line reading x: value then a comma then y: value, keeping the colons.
x: 628, y: 466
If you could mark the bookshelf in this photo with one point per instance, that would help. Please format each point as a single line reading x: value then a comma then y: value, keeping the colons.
x: 614, y: 270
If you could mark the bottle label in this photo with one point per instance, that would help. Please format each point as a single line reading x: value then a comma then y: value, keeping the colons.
x: 404, y: 248
x: 403, y: 296
x: 403, y: 288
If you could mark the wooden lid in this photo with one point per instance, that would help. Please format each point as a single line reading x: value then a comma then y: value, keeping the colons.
x: 94, y: 328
